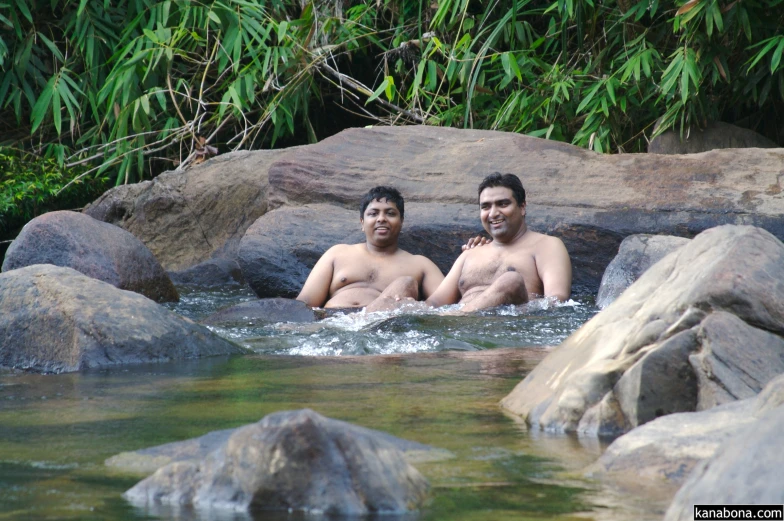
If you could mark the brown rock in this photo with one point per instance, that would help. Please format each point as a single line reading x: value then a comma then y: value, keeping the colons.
x: 186, y: 218
x: 94, y: 248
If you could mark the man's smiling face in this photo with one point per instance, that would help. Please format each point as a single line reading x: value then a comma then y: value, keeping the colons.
x: 500, y: 214
x: 381, y: 222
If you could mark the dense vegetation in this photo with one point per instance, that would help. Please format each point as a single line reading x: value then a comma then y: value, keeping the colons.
x: 129, y: 88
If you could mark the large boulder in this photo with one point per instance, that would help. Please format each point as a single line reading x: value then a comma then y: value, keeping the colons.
x: 663, y: 452
x: 636, y: 254
x: 745, y: 470
x: 188, y: 217
x: 700, y: 328
x: 591, y: 201
x: 55, y: 319
x: 97, y: 249
x: 714, y: 136
x: 278, y: 251
x: 292, y: 460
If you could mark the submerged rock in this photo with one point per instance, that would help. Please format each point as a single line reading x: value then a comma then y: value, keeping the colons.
x: 292, y: 460
x: 636, y: 254
x: 268, y: 310
x: 55, y: 319
x: 212, y: 272
x: 700, y: 328
x: 94, y: 248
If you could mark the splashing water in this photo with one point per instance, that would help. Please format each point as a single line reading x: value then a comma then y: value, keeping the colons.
x: 413, y: 328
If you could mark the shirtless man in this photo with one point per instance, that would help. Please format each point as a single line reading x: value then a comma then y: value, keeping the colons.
x: 518, y: 263
x: 375, y: 274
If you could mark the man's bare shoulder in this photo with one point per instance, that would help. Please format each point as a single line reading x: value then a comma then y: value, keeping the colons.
x: 341, y: 250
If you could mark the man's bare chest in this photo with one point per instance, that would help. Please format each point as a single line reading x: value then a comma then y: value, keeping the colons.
x: 377, y: 275
x: 482, y: 270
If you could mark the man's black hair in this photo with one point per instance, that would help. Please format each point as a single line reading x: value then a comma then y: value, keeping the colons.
x: 510, y: 181
x: 382, y: 192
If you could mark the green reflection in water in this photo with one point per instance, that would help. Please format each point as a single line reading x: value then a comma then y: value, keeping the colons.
x: 58, y: 430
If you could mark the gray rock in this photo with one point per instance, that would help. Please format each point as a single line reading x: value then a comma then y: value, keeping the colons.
x: 745, y: 470
x: 663, y: 452
x: 55, y: 319
x: 94, y: 248
x: 292, y: 460
x: 210, y: 273
x: 715, y: 136
x: 700, y: 328
x: 189, y: 217
x: 636, y: 254
x: 268, y: 310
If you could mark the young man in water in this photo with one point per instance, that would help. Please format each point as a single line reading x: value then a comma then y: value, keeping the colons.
x: 517, y: 264
x: 375, y: 274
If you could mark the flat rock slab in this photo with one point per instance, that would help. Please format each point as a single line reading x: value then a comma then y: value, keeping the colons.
x: 94, y: 248
x: 55, y: 319
x: 636, y: 254
x: 702, y: 327
x: 292, y: 460
x: 264, y: 311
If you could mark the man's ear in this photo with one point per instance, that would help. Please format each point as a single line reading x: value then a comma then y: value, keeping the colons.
x: 522, y: 208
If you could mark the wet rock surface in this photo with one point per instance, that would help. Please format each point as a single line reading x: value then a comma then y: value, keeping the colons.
x: 702, y: 327
x: 94, y: 248
x: 291, y: 460
x: 55, y: 320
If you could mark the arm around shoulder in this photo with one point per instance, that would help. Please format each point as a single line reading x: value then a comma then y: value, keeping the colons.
x: 555, y: 269
x: 315, y: 291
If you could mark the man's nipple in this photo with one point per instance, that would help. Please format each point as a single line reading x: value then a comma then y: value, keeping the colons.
x: 343, y: 279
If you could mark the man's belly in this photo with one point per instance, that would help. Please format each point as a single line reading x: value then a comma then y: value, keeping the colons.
x: 352, y: 297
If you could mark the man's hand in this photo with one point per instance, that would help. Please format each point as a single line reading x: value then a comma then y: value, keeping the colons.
x: 473, y: 242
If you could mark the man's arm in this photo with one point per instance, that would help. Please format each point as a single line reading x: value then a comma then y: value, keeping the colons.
x: 448, y: 292
x: 555, y: 269
x: 431, y: 276
x: 315, y: 292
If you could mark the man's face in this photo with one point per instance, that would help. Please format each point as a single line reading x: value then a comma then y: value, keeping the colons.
x: 381, y: 222
x: 500, y: 214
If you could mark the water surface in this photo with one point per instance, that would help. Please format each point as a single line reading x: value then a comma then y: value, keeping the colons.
x: 432, y: 379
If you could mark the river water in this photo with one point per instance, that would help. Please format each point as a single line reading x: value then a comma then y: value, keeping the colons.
x: 427, y: 377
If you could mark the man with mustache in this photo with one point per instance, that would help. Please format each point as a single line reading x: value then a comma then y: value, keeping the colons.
x: 517, y: 265
x: 375, y: 274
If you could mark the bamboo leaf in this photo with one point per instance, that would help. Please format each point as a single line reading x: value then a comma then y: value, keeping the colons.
x: 380, y: 90
x: 688, y: 6
x: 42, y: 105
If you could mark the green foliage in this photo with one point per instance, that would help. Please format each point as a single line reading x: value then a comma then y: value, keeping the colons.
x: 30, y: 186
x: 132, y: 87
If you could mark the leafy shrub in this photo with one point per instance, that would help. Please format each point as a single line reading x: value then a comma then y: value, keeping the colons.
x: 30, y: 186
